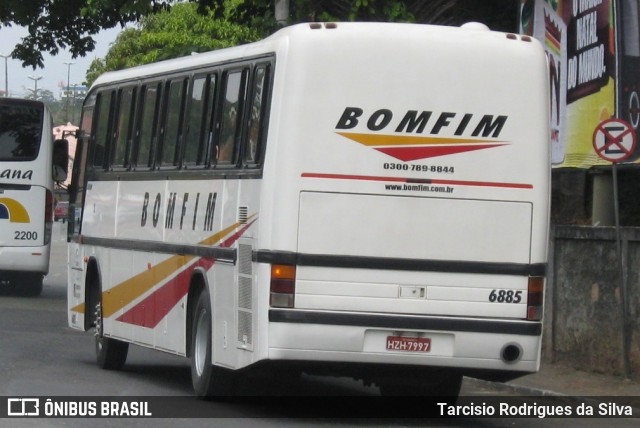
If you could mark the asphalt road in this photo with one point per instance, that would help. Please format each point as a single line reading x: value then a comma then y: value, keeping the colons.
x: 41, y: 357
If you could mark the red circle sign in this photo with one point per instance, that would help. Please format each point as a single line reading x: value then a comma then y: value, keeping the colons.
x: 614, y: 140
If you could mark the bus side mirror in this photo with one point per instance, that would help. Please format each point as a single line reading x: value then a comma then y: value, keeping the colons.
x: 60, y: 160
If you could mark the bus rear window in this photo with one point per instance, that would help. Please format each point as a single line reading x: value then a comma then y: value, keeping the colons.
x: 20, y: 132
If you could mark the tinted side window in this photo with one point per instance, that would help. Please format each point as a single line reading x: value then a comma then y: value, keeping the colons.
x: 103, y: 118
x: 82, y: 150
x: 86, y: 122
x: 256, y: 126
x: 231, y: 116
x: 20, y: 132
x: 210, y: 120
x: 123, y: 127
x: 173, y: 122
x: 194, y: 153
x: 147, y: 128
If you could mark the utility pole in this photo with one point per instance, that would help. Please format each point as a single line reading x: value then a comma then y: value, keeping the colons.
x: 35, y: 81
x: 282, y: 12
x: 6, y: 75
x: 66, y: 104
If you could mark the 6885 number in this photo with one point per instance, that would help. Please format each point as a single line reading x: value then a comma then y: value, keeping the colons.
x: 505, y: 296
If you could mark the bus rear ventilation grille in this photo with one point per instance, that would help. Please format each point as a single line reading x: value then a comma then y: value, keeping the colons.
x: 243, y: 215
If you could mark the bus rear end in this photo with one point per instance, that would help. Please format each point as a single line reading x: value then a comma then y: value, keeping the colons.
x: 26, y: 198
x: 407, y: 240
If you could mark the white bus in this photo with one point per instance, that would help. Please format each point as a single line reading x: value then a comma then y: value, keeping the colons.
x: 356, y: 199
x: 26, y: 193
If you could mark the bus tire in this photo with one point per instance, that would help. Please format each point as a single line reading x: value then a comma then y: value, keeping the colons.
x: 208, y: 380
x: 111, y: 354
x: 447, y: 386
x: 32, y: 286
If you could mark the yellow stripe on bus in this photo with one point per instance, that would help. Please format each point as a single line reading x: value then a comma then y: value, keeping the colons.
x: 374, y: 140
x: 124, y: 293
x: 17, y: 212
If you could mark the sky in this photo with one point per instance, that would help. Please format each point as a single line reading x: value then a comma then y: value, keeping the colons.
x: 55, y: 70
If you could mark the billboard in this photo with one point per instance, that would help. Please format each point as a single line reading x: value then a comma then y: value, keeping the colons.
x: 594, y: 52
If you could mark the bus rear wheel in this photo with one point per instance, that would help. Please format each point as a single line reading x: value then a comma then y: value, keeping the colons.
x: 111, y: 354
x: 208, y: 380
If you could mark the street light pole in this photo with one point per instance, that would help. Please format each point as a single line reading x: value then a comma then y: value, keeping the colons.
x: 66, y: 104
x: 6, y: 75
x: 35, y: 90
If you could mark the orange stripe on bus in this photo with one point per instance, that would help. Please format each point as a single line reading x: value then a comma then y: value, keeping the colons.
x: 124, y: 293
x: 374, y: 140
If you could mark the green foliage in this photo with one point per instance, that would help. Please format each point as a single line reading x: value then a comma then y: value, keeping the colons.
x: 96, y: 68
x: 173, y: 33
x: 374, y: 10
x: 71, y: 24
x: 498, y: 14
x: 68, y: 24
x: 354, y: 10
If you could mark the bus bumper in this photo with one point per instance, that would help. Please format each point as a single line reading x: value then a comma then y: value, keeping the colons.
x: 24, y: 259
x: 474, y: 344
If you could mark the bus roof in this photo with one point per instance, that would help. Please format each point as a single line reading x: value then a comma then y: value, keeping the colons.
x: 280, y: 40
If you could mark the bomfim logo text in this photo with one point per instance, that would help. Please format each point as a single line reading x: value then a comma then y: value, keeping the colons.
x: 416, y: 135
x: 413, y: 121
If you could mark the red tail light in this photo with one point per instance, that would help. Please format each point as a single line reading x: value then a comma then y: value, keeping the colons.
x: 283, y: 286
x: 48, y: 207
x: 535, y: 298
x: 48, y: 216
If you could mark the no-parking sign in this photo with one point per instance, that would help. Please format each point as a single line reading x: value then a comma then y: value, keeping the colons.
x: 614, y: 140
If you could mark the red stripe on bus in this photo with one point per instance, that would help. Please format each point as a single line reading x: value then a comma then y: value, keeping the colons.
x: 417, y: 180
x: 153, y: 308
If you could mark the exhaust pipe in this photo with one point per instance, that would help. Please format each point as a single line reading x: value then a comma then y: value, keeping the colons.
x: 511, y: 353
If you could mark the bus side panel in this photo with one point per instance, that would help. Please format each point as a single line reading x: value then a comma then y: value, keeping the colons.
x: 418, y: 228
x: 396, y: 176
x: 24, y: 244
x: 22, y: 214
x: 26, y: 187
x: 99, y: 214
x: 145, y: 289
x: 405, y: 292
x: 463, y: 350
x: 76, y: 287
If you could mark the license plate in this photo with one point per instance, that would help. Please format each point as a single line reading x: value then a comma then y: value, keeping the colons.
x: 408, y: 344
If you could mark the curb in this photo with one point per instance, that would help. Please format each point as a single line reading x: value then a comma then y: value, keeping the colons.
x: 518, y: 389
x: 531, y: 391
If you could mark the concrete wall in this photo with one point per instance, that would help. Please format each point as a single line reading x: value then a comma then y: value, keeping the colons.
x: 584, y: 314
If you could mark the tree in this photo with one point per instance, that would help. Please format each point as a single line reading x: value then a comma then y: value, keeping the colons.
x: 43, y: 95
x: 63, y: 24
x: 70, y: 24
x: 498, y: 14
x: 169, y: 34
